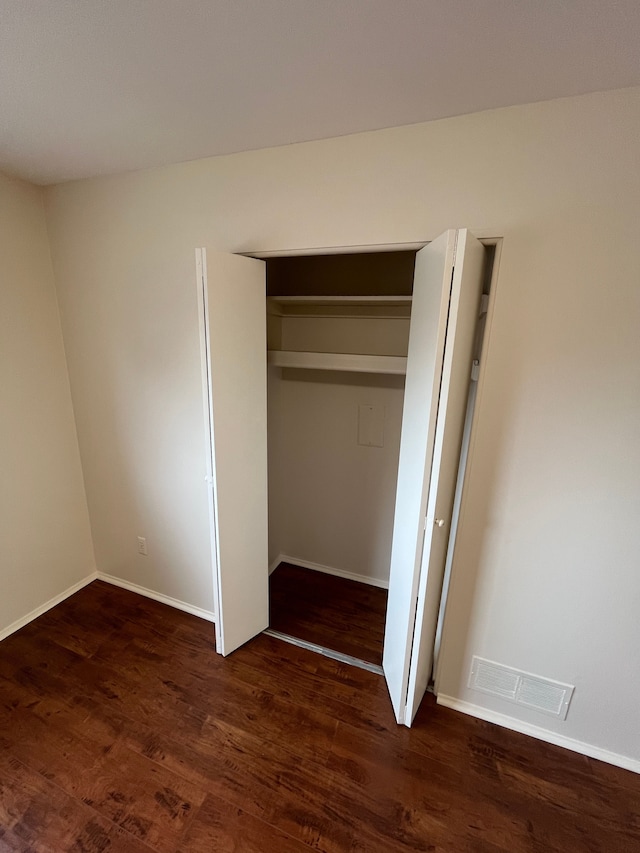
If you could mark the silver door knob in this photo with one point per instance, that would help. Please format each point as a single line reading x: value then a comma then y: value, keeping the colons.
x: 439, y: 522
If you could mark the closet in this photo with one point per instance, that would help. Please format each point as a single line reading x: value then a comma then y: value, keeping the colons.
x: 375, y: 377
x: 335, y: 382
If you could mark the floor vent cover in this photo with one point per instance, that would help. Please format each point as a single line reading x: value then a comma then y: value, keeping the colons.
x: 542, y: 694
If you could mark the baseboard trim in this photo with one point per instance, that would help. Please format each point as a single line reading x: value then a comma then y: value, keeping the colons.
x: 57, y: 599
x: 158, y: 596
x: 273, y: 565
x: 541, y: 734
x: 328, y: 570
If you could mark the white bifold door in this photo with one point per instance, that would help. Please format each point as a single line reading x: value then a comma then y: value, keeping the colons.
x: 234, y: 354
x: 446, y: 296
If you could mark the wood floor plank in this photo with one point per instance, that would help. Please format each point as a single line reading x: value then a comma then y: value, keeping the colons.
x: 122, y: 730
x: 312, y: 690
x: 261, y: 779
x: 147, y: 800
x: 384, y: 778
x: 37, y: 816
x: 324, y: 681
x: 85, y: 757
x: 222, y: 828
x: 339, y: 614
x: 58, y: 744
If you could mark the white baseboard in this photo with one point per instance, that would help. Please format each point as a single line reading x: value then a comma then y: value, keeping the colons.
x: 273, y: 565
x: 539, y: 733
x: 20, y: 623
x: 328, y: 570
x: 158, y: 596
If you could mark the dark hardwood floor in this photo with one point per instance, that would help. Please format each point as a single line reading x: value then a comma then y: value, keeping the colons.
x: 121, y: 730
x: 333, y: 612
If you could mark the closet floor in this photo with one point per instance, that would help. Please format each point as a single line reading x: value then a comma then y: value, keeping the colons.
x: 338, y: 614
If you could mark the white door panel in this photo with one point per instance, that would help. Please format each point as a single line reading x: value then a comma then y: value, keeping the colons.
x: 429, y: 313
x: 234, y: 328
x: 447, y: 288
x: 454, y: 392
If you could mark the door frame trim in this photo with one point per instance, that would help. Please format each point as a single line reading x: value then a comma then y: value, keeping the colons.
x: 487, y: 237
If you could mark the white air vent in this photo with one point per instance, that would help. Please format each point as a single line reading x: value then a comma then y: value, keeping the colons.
x: 542, y: 694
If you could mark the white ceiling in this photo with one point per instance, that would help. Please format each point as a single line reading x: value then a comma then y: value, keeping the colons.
x: 91, y: 87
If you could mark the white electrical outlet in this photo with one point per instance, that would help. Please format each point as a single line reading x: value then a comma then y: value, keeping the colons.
x: 142, y: 546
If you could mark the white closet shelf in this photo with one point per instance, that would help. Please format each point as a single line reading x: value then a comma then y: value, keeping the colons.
x: 384, y: 307
x: 354, y: 363
x: 341, y: 300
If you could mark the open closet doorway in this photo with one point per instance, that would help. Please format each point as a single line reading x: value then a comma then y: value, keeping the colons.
x: 337, y: 337
x: 352, y: 373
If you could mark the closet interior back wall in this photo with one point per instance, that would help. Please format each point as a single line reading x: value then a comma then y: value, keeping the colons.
x: 334, y: 435
x: 331, y: 500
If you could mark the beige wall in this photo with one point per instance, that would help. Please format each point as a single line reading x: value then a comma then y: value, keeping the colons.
x: 331, y: 500
x: 45, y: 541
x: 546, y: 577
